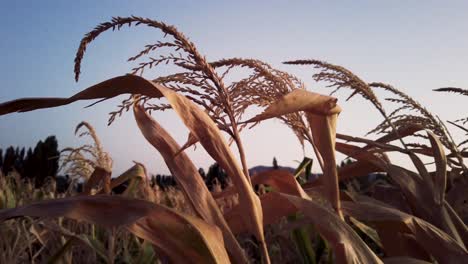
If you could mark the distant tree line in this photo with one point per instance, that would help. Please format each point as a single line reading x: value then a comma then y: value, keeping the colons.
x: 215, y: 174
x: 35, y: 164
x: 42, y: 161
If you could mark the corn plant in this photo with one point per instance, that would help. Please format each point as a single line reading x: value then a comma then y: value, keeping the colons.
x: 207, y: 104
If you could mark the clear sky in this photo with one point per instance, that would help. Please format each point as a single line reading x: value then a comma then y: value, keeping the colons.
x: 414, y: 45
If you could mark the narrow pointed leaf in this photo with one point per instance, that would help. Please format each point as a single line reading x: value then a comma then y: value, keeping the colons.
x: 440, y: 179
x: 187, y: 177
x: 127, y: 84
x: 400, y: 133
x: 322, y: 113
x: 324, y: 133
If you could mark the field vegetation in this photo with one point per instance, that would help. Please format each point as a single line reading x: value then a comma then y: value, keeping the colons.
x: 402, y: 216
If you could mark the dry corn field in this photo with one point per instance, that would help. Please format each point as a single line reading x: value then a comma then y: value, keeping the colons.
x: 408, y: 216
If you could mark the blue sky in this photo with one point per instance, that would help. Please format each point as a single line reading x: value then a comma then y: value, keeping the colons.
x: 414, y: 45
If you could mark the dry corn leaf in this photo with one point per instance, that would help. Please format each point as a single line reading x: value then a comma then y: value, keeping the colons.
x: 198, y: 122
x: 410, y: 183
x: 299, y: 100
x: 98, y: 177
x: 388, y: 234
x: 458, y: 223
x: 419, y: 190
x: 322, y: 112
x: 357, y: 169
x: 127, y: 84
x: 422, y: 199
x: 417, y: 193
x: 374, y: 145
x: 282, y: 181
x: 137, y: 179
x: 183, y: 238
x: 402, y: 132
x: 347, y: 245
x: 413, y: 185
x: 209, y: 136
x: 188, y: 178
x: 440, y: 177
x: 361, y: 154
x: 436, y: 242
x: 324, y: 133
x: 137, y: 170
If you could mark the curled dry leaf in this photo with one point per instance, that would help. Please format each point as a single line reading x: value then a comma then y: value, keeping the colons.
x: 188, y: 178
x: 183, y: 238
x: 136, y: 176
x: 324, y: 132
x: 321, y: 112
x: 100, y: 176
x: 136, y: 171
